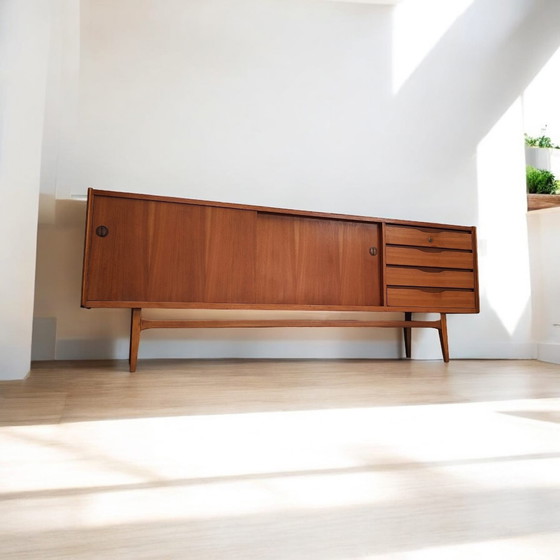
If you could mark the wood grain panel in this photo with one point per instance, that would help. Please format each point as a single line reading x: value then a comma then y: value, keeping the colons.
x: 316, y: 261
x: 277, y: 260
x: 169, y: 252
x: 428, y: 237
x: 174, y: 253
x: 430, y: 297
x: 435, y: 277
x: 117, y: 268
x: 359, y: 271
x: 230, y: 251
x: 153, y: 251
x: 438, y: 258
x: 174, y: 240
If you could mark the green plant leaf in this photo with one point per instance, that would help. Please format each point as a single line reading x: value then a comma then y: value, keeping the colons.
x: 540, y: 181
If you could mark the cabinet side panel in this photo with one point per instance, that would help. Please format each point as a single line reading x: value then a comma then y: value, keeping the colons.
x: 475, y: 271
x: 87, y: 248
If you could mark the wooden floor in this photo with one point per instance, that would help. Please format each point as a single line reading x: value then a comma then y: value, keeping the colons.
x: 276, y: 460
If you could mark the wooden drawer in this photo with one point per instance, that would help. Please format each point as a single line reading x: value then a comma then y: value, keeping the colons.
x: 437, y: 258
x: 429, y: 277
x: 428, y: 237
x: 435, y: 298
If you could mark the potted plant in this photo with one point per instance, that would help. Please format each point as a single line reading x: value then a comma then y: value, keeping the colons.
x: 542, y: 153
x: 542, y: 158
x: 542, y: 188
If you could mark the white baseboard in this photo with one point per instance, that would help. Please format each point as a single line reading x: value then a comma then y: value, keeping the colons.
x: 265, y: 345
x: 549, y: 352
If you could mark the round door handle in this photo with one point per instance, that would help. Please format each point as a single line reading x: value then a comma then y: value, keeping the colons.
x: 373, y: 251
x: 102, y: 231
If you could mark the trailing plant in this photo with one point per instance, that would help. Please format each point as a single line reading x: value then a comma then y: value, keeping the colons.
x: 541, y: 181
x: 542, y: 141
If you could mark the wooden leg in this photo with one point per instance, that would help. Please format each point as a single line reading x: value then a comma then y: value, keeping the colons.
x: 443, y: 337
x: 407, y: 331
x: 135, y: 330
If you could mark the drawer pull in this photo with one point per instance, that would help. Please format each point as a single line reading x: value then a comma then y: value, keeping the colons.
x: 429, y: 237
x: 102, y: 231
x: 373, y: 251
x: 434, y: 257
x: 429, y: 277
x: 433, y: 298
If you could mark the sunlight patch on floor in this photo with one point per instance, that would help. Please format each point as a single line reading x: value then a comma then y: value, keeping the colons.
x: 94, y: 474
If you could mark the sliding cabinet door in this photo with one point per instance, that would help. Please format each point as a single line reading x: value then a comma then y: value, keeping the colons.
x: 229, y: 273
x: 149, y: 252
x: 141, y: 251
x: 316, y: 261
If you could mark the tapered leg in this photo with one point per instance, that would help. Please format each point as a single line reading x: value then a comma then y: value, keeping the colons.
x: 407, y: 331
x: 135, y: 330
x: 443, y: 337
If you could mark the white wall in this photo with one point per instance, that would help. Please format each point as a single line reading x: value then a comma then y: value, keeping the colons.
x: 24, y: 41
x: 544, y: 228
x: 541, y: 113
x: 294, y: 104
x: 540, y: 102
x: 504, y: 328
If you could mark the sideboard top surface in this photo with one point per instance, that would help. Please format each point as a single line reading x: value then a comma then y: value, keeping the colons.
x: 273, y: 210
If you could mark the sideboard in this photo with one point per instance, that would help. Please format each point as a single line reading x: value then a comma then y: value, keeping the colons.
x: 144, y: 251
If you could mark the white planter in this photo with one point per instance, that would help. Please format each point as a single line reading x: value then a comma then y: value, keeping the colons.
x: 543, y: 158
x: 555, y: 162
x: 540, y: 158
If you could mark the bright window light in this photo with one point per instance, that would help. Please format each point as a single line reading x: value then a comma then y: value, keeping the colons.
x: 501, y: 192
x: 418, y: 25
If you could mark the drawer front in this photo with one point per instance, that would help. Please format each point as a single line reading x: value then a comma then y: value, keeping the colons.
x: 429, y: 277
x: 431, y: 297
x: 438, y: 258
x: 428, y: 237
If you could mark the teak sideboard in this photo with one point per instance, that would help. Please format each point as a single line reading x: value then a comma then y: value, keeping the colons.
x: 144, y: 251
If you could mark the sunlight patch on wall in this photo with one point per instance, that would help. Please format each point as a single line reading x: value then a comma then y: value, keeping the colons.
x: 540, y: 101
x: 418, y: 25
x: 504, y: 268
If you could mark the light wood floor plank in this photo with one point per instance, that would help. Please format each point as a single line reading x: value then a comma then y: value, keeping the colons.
x: 326, y: 460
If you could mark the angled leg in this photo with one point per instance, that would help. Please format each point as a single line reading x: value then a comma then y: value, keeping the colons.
x: 443, y: 337
x: 407, y: 331
x: 135, y: 330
